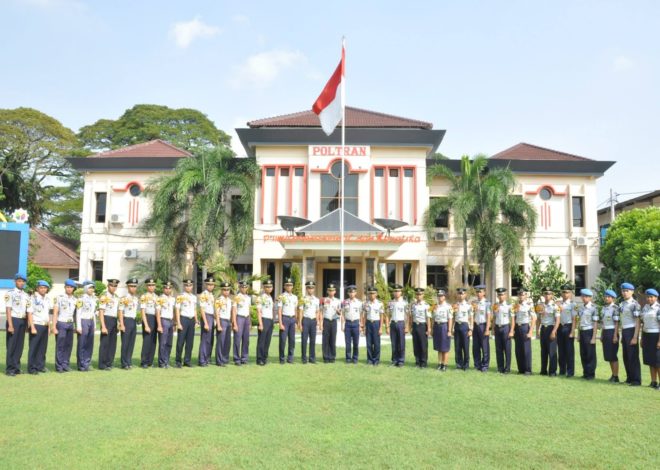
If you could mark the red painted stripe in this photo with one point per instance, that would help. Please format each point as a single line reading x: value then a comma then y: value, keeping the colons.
x: 400, y: 193
x: 549, y: 217
x: 414, y: 196
x: 386, y: 172
x: 304, y: 194
x: 371, y: 205
x: 137, y: 210
x: 263, y: 191
x: 542, y: 212
x: 277, y: 183
x: 289, y: 211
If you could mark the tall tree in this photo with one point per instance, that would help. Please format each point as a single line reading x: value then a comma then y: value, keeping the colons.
x: 32, y: 150
x: 186, y: 128
x: 193, y: 208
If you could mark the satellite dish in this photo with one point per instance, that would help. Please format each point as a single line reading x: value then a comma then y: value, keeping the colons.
x: 290, y: 223
x: 390, y: 224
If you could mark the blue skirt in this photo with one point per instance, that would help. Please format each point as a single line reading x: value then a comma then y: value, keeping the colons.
x: 650, y: 351
x: 610, y: 349
x: 441, y: 339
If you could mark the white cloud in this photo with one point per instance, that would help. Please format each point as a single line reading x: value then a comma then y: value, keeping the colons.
x: 622, y: 62
x: 240, y: 19
x: 259, y: 70
x: 185, y: 32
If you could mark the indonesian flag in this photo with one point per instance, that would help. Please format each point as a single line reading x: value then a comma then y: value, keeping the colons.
x: 330, y: 103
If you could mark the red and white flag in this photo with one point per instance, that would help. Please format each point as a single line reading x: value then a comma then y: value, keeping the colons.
x: 329, y: 106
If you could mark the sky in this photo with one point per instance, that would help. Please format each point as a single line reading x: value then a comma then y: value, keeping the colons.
x: 576, y: 76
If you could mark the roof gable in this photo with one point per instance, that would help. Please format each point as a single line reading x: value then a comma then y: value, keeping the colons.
x: 524, y: 151
x: 329, y: 223
x: 49, y: 251
x: 153, y: 148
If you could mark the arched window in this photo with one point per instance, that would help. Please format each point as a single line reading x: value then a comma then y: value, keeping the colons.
x: 330, y: 187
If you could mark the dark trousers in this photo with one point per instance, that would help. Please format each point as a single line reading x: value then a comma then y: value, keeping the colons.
x: 288, y: 333
x: 242, y: 339
x: 165, y: 342
x: 352, y: 337
x: 63, y: 345
x: 630, y: 357
x: 128, y: 342
x: 503, y: 348
x: 523, y: 349
x: 309, y: 337
x: 37, y: 349
x: 373, y: 341
x: 462, y: 345
x: 480, y: 347
x: 263, y: 340
x: 587, y: 354
x: 85, y: 344
x: 420, y: 344
x: 206, y: 340
x: 223, y: 343
x: 14, y: 343
x: 329, y: 340
x: 149, y: 341
x: 108, y: 347
x: 565, y: 351
x: 548, y: 351
x: 398, y: 340
x: 185, y: 337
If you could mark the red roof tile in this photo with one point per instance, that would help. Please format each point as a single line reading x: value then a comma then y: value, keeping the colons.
x: 523, y: 151
x: 355, y: 117
x: 50, y: 251
x: 153, y: 148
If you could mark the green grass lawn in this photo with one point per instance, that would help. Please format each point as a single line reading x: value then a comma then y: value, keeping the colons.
x: 323, y: 416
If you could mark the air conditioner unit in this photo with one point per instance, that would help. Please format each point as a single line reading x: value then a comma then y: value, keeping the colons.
x: 581, y: 241
x: 131, y: 254
x: 440, y: 236
x: 116, y: 219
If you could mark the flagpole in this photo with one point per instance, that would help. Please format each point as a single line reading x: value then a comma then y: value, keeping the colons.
x: 343, y: 164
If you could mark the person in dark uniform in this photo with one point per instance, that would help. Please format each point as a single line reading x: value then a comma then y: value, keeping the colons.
x: 16, y: 303
x: 482, y: 311
x: 587, y: 317
x: 241, y: 324
x: 185, y: 310
x: 420, y: 326
x: 442, y: 328
x: 350, y: 325
x: 650, y: 318
x: 108, y: 306
x: 207, y: 313
x: 86, y: 326
x: 503, y: 331
x: 330, y: 307
x: 310, y: 317
x: 548, y: 312
x: 397, y: 325
x: 525, y: 327
x: 265, y: 312
x: 566, y: 332
x: 462, y: 330
x: 287, y: 305
x: 63, y: 310
x: 148, y: 304
x: 609, y: 335
x: 629, y: 312
x: 38, y: 314
x: 165, y: 325
x: 372, y: 321
x: 224, y: 306
x: 128, y: 308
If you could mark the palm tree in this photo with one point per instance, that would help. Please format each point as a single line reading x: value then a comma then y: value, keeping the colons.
x: 190, y: 207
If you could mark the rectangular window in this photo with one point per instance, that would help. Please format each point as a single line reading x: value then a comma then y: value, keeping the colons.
x: 578, y: 211
x: 408, y: 172
x: 379, y: 172
x: 73, y: 274
x: 101, y: 199
x: 391, y: 273
x: 286, y: 270
x: 243, y: 271
x: 298, y: 171
x: 394, y: 172
x: 442, y: 221
x: 407, y: 274
x: 284, y: 172
x: 437, y: 276
x: 97, y: 270
x: 270, y: 272
x: 474, y: 277
x: 270, y: 171
x: 580, y: 273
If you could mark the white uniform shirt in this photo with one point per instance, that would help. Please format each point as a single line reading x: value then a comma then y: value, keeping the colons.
x: 330, y: 308
x: 568, y: 311
x: 549, y: 312
x: 420, y: 311
x: 186, y: 304
x: 462, y: 314
x: 86, y: 307
x: 483, y: 309
x: 18, y: 301
x: 66, y: 305
x: 128, y: 306
x: 166, y: 306
x: 373, y: 310
x: 650, y: 317
x: 587, y: 315
x: 243, y: 303
x: 39, y: 308
x: 265, y: 304
x: 608, y: 315
x: 525, y: 312
x: 503, y: 313
x: 310, y: 305
x: 288, y: 303
x: 148, y: 302
x: 352, y: 309
x: 442, y: 312
x: 629, y: 310
x: 397, y: 309
x: 224, y: 304
x: 109, y: 303
x: 207, y: 302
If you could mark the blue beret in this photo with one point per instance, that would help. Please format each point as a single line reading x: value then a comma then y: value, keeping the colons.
x: 627, y: 285
x: 651, y: 292
x: 87, y: 284
x: 610, y: 293
x: 70, y: 282
x: 18, y: 276
x: 41, y: 283
x: 586, y: 292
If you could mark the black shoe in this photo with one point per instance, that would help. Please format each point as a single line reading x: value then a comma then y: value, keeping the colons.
x: 34, y: 372
x: 108, y: 369
x: 304, y: 361
x: 10, y: 373
x: 178, y: 366
x: 543, y: 373
x: 44, y: 370
x: 634, y: 384
x: 616, y: 379
x: 528, y: 374
x: 312, y: 361
x: 553, y: 375
x: 282, y: 362
x: 144, y: 366
x: 653, y: 385
x: 187, y: 365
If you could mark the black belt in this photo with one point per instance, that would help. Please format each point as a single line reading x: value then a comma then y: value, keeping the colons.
x: 64, y: 321
x: 373, y: 321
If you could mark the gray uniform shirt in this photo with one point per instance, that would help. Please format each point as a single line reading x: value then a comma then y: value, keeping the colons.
x: 483, y: 309
x: 397, y: 309
x: 608, y: 315
x: 18, y: 301
x: 568, y: 310
x: 442, y: 312
x: 587, y: 315
x: 504, y: 314
x: 651, y: 318
x: 352, y: 309
x: 373, y: 310
x: 166, y: 306
x: 525, y: 312
x: 310, y: 306
x: 109, y: 303
x: 40, y: 308
x: 330, y: 308
x: 629, y: 311
x: 128, y: 306
x: 66, y: 305
x: 265, y: 304
x: 420, y: 311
